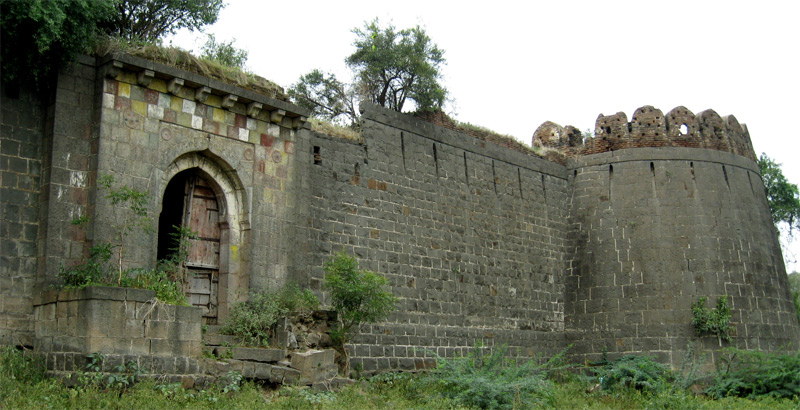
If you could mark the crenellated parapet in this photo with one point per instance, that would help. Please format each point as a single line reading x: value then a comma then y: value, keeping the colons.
x: 649, y: 127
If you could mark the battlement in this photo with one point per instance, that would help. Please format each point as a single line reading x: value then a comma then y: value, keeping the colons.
x: 649, y: 127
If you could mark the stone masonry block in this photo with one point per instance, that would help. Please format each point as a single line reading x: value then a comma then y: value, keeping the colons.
x: 259, y: 355
x: 315, y: 365
x: 139, y: 295
x: 284, y: 375
x: 102, y: 292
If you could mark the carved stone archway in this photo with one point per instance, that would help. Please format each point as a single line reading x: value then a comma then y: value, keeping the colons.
x: 233, y: 220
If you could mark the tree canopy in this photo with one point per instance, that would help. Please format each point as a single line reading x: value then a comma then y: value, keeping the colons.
x: 325, y: 96
x: 783, y: 196
x: 224, y: 53
x: 150, y: 20
x: 39, y: 36
x: 393, y: 66
x: 390, y: 68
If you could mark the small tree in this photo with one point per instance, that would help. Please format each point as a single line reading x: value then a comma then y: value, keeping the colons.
x: 358, y: 297
x: 224, y: 53
x: 130, y: 213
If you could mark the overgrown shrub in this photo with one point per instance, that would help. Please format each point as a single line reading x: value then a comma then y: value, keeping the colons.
x: 253, y: 322
x: 358, y: 297
x: 751, y: 374
x: 639, y: 372
x: 490, y: 380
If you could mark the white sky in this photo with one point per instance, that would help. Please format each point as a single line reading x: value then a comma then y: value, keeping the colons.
x: 511, y: 65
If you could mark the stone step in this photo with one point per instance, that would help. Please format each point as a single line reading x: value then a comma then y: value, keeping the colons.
x: 216, y: 339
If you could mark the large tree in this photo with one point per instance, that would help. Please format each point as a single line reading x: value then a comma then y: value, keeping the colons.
x: 150, y: 20
x: 40, y: 36
x: 392, y: 67
x: 782, y: 195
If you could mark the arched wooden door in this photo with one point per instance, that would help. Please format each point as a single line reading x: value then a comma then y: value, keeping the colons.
x: 190, y: 201
x: 201, y: 215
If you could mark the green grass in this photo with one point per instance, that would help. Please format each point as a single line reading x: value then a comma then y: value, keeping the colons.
x: 23, y: 387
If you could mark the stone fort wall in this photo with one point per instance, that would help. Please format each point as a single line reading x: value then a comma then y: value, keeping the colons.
x: 606, y: 249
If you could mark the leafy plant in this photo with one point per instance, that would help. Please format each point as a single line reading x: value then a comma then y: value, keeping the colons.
x: 253, y: 322
x: 716, y: 321
x: 17, y: 366
x: 488, y: 379
x: 639, y: 372
x: 752, y: 373
x: 93, y: 272
x: 167, y: 290
x: 358, y: 297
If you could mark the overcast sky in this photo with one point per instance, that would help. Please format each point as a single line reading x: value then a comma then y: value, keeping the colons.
x: 511, y: 65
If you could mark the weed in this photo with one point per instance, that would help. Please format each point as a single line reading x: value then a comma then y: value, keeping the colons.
x: 490, y: 381
x: 253, y: 322
x: 716, y: 321
x: 638, y: 372
x: 752, y: 374
x: 20, y: 367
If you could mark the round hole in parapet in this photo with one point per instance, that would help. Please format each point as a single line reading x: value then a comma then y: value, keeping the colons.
x: 684, y: 129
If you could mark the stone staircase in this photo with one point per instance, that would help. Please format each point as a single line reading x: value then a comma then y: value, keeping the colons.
x: 310, y: 367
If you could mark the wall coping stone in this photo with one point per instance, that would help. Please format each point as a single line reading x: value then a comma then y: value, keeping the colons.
x: 460, y: 140
x: 662, y: 154
x: 194, y: 80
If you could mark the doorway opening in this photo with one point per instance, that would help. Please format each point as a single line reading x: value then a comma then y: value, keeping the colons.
x: 190, y: 201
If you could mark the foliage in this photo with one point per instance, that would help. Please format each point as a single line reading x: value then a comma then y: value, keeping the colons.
x: 159, y: 281
x: 716, y: 321
x: 783, y: 196
x: 490, y: 381
x: 794, y: 286
x: 121, y: 378
x: 150, y: 20
x: 41, y: 36
x: 393, y: 66
x: 130, y: 212
x: 20, y: 367
x: 224, y: 53
x: 94, y: 271
x: 639, y: 372
x: 752, y: 373
x: 387, y: 391
x: 253, y: 322
x: 326, y: 97
x: 358, y: 297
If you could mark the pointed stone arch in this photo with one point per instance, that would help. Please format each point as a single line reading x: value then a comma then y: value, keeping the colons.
x: 233, y: 216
